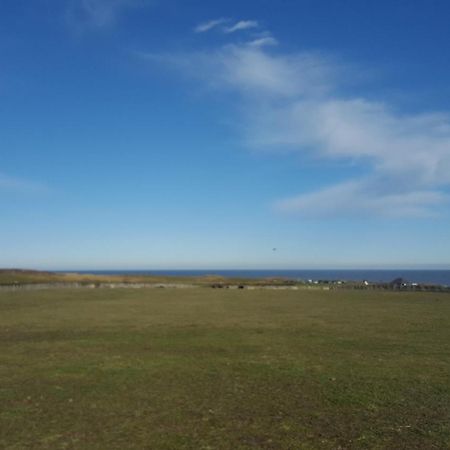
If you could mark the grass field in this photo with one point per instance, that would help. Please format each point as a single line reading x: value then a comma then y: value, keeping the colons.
x: 12, y: 277
x: 224, y: 369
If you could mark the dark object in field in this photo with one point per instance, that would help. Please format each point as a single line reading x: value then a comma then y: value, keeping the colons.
x: 399, y: 283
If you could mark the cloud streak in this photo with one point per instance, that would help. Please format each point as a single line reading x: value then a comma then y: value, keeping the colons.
x: 364, y: 199
x: 20, y: 185
x: 263, y: 41
x: 207, y: 26
x: 294, y: 102
x: 221, y: 24
x: 99, y: 14
x: 242, y: 25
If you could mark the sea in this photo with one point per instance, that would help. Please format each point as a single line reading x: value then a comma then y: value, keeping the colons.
x: 437, y: 277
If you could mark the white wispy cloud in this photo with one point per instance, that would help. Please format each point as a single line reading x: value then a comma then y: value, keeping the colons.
x: 15, y: 184
x: 251, y: 71
x: 221, y: 24
x: 209, y: 25
x: 263, y: 41
x: 294, y: 102
x: 364, y: 198
x: 241, y: 25
x: 83, y: 14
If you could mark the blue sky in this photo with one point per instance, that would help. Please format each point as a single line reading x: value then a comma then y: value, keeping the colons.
x: 154, y: 134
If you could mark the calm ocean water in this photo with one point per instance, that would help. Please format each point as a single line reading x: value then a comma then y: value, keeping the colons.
x: 441, y: 277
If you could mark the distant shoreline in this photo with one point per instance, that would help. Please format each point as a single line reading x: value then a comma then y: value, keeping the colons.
x: 31, y: 279
x: 428, y: 276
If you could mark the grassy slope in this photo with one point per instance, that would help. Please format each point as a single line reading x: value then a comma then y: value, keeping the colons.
x: 8, y: 277
x: 221, y: 369
x: 22, y: 277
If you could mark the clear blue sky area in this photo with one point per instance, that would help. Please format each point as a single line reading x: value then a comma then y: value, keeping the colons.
x: 178, y: 134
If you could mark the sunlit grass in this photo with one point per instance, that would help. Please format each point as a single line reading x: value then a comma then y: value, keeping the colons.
x: 224, y: 369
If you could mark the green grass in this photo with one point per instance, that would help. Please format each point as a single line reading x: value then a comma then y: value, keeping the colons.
x: 20, y: 277
x: 224, y: 369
